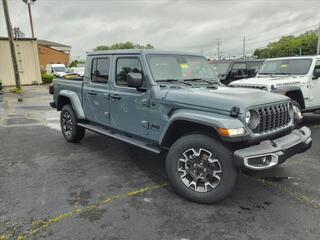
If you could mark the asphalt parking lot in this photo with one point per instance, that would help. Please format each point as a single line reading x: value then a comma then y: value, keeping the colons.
x: 105, y: 189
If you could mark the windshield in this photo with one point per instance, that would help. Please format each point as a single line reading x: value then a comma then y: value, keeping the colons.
x: 286, y: 67
x: 70, y: 70
x: 180, y: 67
x: 59, y: 69
x: 223, y: 67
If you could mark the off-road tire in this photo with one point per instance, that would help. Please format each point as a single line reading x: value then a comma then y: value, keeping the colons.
x: 228, y: 177
x: 74, y: 133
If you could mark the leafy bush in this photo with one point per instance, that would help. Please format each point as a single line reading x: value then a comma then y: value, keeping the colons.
x: 46, y: 78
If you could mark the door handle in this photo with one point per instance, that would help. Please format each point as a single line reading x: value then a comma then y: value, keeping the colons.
x: 115, y: 97
x: 92, y: 93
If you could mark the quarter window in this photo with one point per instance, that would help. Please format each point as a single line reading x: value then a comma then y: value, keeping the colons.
x: 100, y: 70
x: 125, y: 66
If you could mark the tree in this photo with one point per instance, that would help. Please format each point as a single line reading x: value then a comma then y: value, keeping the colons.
x: 306, y: 44
x: 74, y: 63
x: 122, y: 45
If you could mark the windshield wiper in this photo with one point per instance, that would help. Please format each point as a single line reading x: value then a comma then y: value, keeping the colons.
x: 283, y: 74
x: 170, y: 80
x: 262, y: 73
x: 201, y: 79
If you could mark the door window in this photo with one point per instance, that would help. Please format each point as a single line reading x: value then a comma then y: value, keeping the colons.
x: 100, y: 70
x: 125, y: 66
x: 239, y: 69
x: 317, y: 67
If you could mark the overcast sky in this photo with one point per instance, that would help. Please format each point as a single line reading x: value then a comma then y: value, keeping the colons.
x: 172, y: 24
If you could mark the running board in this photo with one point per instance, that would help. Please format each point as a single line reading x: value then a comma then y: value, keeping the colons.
x: 121, y: 137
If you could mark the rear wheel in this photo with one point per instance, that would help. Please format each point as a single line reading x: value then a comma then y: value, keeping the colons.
x: 69, y: 125
x: 201, y: 169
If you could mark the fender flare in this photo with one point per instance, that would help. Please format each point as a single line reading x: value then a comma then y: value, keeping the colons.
x: 284, y: 90
x: 209, y: 119
x: 75, y: 101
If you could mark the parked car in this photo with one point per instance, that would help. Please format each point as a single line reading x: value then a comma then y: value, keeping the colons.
x: 56, y: 69
x: 295, y: 77
x: 75, y: 70
x: 231, y: 70
x: 173, y: 103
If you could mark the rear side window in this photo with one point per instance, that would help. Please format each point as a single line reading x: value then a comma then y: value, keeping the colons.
x: 100, y: 70
x: 239, y: 66
x: 125, y: 66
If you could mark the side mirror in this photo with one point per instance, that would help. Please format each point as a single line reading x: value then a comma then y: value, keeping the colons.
x: 134, y: 80
x: 316, y: 73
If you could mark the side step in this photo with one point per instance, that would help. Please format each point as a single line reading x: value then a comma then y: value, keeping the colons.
x: 121, y: 137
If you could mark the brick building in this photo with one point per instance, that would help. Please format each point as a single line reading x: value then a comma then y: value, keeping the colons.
x: 52, y: 52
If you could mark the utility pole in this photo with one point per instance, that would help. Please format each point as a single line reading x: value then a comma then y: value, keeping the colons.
x: 300, y: 52
x: 244, y: 48
x: 218, y: 48
x: 318, y: 47
x: 11, y: 43
x: 29, y: 2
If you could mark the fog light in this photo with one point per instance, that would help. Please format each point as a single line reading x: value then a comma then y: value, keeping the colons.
x: 261, y: 161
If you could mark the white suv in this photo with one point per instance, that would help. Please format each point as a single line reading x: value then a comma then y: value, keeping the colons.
x: 295, y: 77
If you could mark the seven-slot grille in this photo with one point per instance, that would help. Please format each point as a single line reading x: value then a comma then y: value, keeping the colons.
x: 273, y: 117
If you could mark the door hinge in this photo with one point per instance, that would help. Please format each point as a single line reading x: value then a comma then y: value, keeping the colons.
x: 145, y: 124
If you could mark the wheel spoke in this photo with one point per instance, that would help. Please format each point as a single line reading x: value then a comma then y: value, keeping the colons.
x: 199, y: 170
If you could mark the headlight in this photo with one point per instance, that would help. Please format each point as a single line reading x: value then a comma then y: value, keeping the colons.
x: 297, y: 113
x: 248, y: 117
x: 252, y: 119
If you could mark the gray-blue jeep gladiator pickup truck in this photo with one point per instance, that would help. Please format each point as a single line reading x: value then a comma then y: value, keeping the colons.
x: 173, y: 102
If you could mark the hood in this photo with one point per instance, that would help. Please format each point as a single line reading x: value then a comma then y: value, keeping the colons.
x: 263, y: 81
x: 223, y: 98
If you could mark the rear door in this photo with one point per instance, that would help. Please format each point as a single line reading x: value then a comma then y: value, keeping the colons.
x: 129, y: 106
x: 96, y: 91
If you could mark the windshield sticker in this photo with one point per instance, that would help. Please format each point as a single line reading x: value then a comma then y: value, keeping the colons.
x: 184, y: 65
x: 284, y: 65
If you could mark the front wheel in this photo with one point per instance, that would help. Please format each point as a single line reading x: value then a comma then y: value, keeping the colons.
x: 69, y: 125
x: 201, y: 169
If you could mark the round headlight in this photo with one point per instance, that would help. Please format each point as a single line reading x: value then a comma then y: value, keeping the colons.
x: 248, y: 117
x: 252, y: 118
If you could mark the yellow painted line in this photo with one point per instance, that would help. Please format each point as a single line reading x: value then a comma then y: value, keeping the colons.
x: 296, y: 195
x: 38, y: 226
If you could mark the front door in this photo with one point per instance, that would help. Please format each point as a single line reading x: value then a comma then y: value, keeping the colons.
x: 129, y: 106
x: 315, y: 87
x: 96, y: 92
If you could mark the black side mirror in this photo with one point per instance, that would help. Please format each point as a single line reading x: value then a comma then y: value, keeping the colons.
x: 134, y: 80
x: 316, y: 73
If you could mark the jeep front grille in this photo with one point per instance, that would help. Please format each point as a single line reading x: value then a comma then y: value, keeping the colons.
x: 273, y: 117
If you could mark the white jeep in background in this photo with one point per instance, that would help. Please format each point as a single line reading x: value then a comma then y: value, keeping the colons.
x: 295, y: 77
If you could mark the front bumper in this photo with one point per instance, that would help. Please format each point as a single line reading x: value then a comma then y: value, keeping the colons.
x: 270, y: 153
